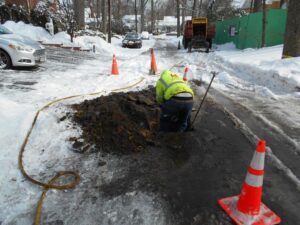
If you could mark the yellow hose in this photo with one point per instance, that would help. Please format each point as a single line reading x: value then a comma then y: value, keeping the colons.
x: 51, y: 184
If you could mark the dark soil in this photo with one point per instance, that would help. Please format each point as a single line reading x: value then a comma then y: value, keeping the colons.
x: 120, y: 123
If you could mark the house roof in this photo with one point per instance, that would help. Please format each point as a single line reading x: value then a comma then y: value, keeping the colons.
x: 171, y: 20
x: 245, y: 4
x: 130, y: 17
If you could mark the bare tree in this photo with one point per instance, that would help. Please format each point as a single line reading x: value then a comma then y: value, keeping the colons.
x: 194, y: 12
x: 178, y: 18
x: 152, y: 16
x: 109, y: 20
x: 91, y: 6
x: 79, y: 13
x: 67, y: 9
x: 257, y: 6
x: 292, y: 33
x: 143, y: 4
x: 104, y: 16
x: 183, y: 11
x: 135, y: 12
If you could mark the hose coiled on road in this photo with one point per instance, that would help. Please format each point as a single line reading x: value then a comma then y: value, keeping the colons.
x: 51, y: 183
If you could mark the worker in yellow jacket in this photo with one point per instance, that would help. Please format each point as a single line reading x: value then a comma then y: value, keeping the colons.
x: 176, y: 100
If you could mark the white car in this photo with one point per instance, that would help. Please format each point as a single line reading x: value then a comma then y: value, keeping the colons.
x: 145, y: 35
x: 17, y: 50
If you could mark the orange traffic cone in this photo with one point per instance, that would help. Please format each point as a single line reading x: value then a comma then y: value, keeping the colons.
x: 186, y: 69
x: 114, y: 68
x: 153, y: 66
x: 247, y: 208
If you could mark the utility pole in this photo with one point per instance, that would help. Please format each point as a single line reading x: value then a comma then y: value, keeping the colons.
x: 178, y: 19
x: 264, y: 25
x: 109, y: 20
x: 136, y: 21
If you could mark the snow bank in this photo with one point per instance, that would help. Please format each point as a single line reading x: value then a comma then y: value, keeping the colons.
x: 262, y: 66
x: 88, y: 42
x: 34, y: 32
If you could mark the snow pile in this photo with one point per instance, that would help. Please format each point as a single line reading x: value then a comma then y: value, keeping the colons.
x: 40, y: 34
x: 34, y: 32
x: 262, y: 66
x: 88, y: 42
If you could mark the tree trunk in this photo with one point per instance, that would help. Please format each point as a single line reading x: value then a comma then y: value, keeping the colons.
x: 152, y: 16
x: 136, y: 20
x: 98, y: 12
x: 257, y: 5
x: 142, y: 7
x: 183, y: 10
x: 103, y: 11
x: 109, y: 20
x: 79, y: 13
x: 251, y: 6
x: 178, y: 18
x: 194, y: 12
x: 142, y: 15
x: 264, y: 25
x: 292, y: 33
x: 200, y: 9
x: 91, y: 6
x: 119, y: 8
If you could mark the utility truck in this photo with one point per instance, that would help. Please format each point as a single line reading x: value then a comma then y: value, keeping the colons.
x: 197, y: 34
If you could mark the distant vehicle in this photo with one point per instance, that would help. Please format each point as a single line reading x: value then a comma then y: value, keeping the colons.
x: 17, y: 50
x: 145, y: 35
x: 132, y: 40
x: 197, y: 34
x: 156, y: 32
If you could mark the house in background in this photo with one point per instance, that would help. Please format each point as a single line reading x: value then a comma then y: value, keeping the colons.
x: 28, y: 4
x: 129, y: 22
x: 169, y: 23
x: 270, y: 4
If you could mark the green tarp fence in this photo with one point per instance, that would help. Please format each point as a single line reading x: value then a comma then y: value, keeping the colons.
x: 246, y: 31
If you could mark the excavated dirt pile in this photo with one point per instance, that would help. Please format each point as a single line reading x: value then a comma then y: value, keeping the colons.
x: 118, y: 123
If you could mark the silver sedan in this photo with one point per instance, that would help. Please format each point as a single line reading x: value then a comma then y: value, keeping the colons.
x: 18, y: 50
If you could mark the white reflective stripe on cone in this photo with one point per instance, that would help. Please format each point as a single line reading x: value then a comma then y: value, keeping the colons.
x: 258, y: 161
x: 253, y: 180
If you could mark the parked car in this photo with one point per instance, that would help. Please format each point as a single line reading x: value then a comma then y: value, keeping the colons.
x: 133, y: 40
x: 18, y: 50
x: 145, y: 35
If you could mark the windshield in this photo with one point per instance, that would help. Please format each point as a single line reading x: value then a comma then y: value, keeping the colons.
x: 4, y: 30
x: 132, y: 36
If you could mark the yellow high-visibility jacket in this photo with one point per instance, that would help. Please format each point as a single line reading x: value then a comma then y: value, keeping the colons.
x: 169, y: 85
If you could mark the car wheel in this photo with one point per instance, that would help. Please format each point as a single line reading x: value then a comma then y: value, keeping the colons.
x: 5, y: 61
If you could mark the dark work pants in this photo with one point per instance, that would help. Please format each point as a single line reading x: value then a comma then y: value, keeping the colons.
x: 175, y: 115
